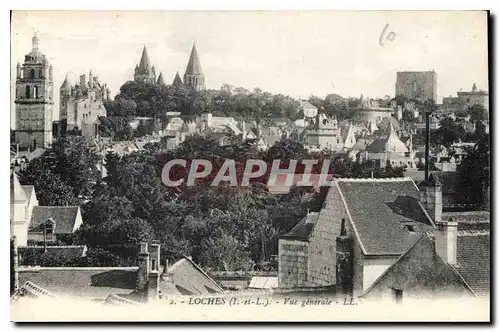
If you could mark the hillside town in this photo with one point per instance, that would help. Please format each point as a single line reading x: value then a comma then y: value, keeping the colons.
x: 407, y: 214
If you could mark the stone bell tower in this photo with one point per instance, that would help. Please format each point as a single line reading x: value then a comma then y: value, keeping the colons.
x: 34, y: 100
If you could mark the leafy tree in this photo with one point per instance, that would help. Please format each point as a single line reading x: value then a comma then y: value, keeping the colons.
x: 449, y: 132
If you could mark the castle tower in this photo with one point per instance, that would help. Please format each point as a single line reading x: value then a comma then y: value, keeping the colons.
x: 193, y: 77
x: 34, y: 100
x: 177, y: 80
x: 144, y: 72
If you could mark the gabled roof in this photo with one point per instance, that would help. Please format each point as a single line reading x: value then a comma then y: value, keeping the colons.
x: 82, y: 282
x: 302, y: 229
x: 380, y: 210
x: 433, y: 272
x: 190, y: 279
x: 474, y: 261
x: 194, y: 66
x: 17, y: 193
x: 65, y: 218
x: 307, y: 105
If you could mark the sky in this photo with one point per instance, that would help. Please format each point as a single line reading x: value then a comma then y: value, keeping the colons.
x: 296, y: 53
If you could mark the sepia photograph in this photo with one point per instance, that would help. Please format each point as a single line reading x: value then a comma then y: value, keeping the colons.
x: 291, y: 166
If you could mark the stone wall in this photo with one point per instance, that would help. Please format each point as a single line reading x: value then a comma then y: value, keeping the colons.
x: 322, y: 241
x: 293, y: 263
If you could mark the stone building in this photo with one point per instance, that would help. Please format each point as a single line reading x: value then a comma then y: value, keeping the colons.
x: 467, y: 99
x: 38, y: 224
x: 370, y: 113
x: 144, y: 71
x: 389, y: 149
x: 364, y: 226
x: 81, y: 105
x: 193, y: 76
x: 323, y: 133
x: 421, y: 85
x: 34, y: 100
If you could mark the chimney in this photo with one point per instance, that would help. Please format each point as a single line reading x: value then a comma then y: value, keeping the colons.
x: 143, y: 272
x: 446, y: 240
x: 344, y: 263
x: 431, y: 197
x: 153, y: 277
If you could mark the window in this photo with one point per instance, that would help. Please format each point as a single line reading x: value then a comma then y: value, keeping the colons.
x: 410, y: 228
x: 397, y: 295
x: 49, y: 227
x: 342, y: 228
x: 32, y: 73
x: 153, y: 265
x: 35, y: 92
x: 28, y: 92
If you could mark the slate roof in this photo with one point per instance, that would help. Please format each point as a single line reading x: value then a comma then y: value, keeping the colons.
x: 189, y: 279
x: 194, y: 66
x: 144, y: 64
x: 64, y: 216
x: 473, y: 257
x: 89, y: 283
x: 177, y: 80
x: 380, y: 209
x: 302, y: 229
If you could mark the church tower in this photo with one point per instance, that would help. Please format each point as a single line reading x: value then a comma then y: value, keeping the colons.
x: 144, y: 72
x: 193, y: 77
x: 34, y: 100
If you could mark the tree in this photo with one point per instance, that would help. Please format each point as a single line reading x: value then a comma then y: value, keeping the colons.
x: 449, y: 132
x: 120, y: 107
x: 474, y: 170
x: 477, y: 113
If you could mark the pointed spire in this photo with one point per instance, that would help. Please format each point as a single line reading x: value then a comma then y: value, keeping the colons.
x: 17, y: 193
x: 194, y: 66
x: 65, y: 84
x: 177, y: 80
x: 145, y: 63
x: 35, y: 42
x: 474, y: 87
x: 160, y: 80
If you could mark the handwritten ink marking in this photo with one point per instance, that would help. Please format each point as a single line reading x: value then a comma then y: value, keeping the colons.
x: 383, y: 37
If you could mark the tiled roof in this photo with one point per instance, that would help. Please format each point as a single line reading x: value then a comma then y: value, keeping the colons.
x: 90, y: 283
x: 302, y: 229
x: 307, y: 105
x: 380, y: 209
x: 473, y: 257
x: 189, y: 279
x: 64, y: 217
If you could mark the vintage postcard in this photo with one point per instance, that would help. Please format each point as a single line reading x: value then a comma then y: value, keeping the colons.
x: 328, y: 166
